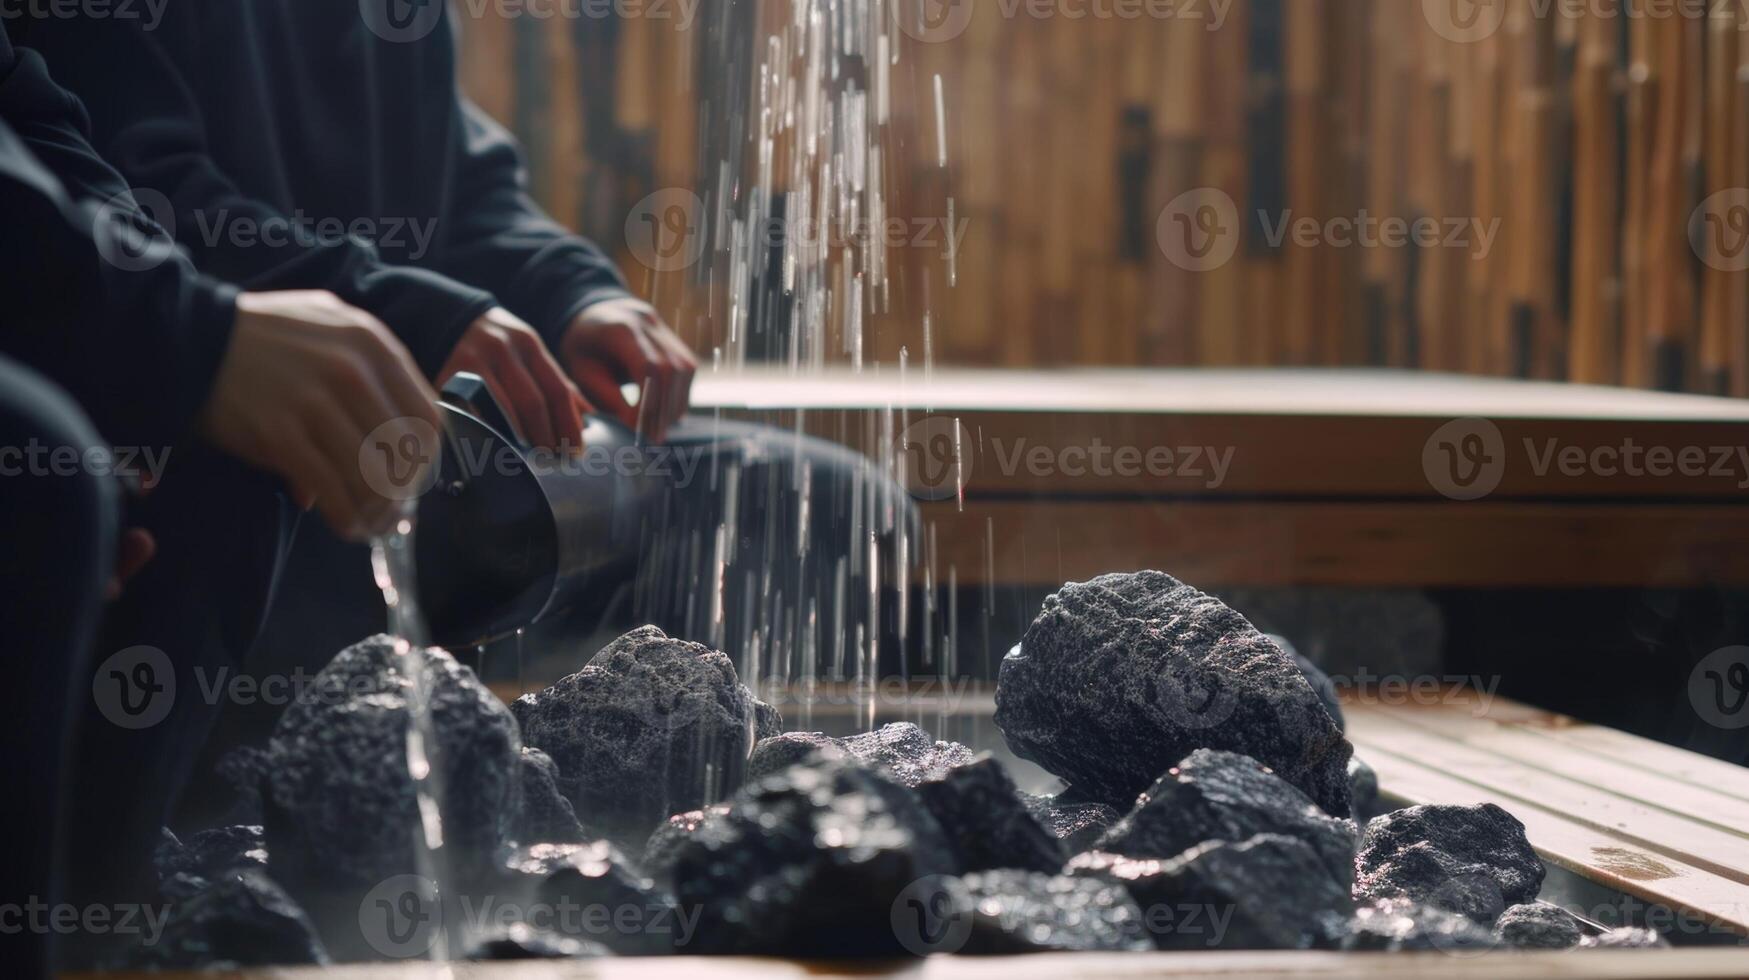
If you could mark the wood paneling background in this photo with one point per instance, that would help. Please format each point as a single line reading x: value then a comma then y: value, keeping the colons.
x: 1592, y: 139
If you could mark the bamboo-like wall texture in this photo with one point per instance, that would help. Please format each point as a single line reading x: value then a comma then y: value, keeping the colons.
x: 1581, y: 169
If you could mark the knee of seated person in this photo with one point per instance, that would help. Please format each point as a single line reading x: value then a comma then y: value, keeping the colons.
x: 56, y: 472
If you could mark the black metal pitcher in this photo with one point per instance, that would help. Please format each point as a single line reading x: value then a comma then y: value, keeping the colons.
x: 508, y: 535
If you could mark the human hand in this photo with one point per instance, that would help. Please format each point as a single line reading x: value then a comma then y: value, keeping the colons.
x: 623, y: 340
x: 543, y: 405
x: 305, y: 381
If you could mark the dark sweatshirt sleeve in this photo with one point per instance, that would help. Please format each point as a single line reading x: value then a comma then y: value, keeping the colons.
x: 503, y: 242
x: 98, y: 299
x: 151, y: 128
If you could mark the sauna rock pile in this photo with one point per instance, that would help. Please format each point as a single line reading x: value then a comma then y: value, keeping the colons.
x: 1208, y: 805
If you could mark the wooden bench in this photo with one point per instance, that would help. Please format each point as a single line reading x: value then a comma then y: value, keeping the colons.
x: 1328, y: 482
x: 1667, y: 827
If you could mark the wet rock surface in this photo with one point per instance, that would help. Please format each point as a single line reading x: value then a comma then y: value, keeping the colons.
x: 1223, y: 796
x: 901, y: 751
x: 1269, y: 892
x: 987, y: 824
x: 809, y: 862
x: 207, y: 854
x: 1077, y: 824
x: 242, y: 919
x: 1119, y: 678
x: 521, y: 941
x: 599, y: 896
x: 651, y: 726
x: 1537, y: 926
x: 1028, y: 911
x: 1397, y: 926
x: 341, y: 808
x: 545, y: 815
x: 1473, y: 860
x: 663, y: 847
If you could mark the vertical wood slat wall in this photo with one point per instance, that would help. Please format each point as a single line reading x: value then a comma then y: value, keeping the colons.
x: 1591, y: 138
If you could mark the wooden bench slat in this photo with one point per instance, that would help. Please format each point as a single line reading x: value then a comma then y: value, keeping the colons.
x: 1689, y: 767
x: 1411, y: 774
x: 1720, y: 811
x: 1700, y: 844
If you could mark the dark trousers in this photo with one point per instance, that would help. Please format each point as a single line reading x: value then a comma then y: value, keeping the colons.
x: 60, y: 531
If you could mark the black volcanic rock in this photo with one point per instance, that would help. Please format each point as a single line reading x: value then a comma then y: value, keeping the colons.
x: 341, y: 810
x: 1078, y: 825
x: 663, y: 847
x: 1119, y: 678
x: 649, y: 727
x: 986, y: 822
x: 809, y: 862
x: 1363, y: 786
x: 1270, y: 892
x: 1473, y: 860
x: 243, y: 919
x: 545, y: 816
x: 1223, y: 796
x: 1397, y: 925
x: 1625, y: 938
x: 900, y: 750
x: 210, y: 853
x: 1321, y: 684
x: 600, y: 897
x: 1028, y: 911
x: 521, y: 941
x: 1537, y: 926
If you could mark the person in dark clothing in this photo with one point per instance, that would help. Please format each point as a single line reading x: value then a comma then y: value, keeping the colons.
x: 267, y: 126
x: 249, y: 113
x: 113, y: 350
